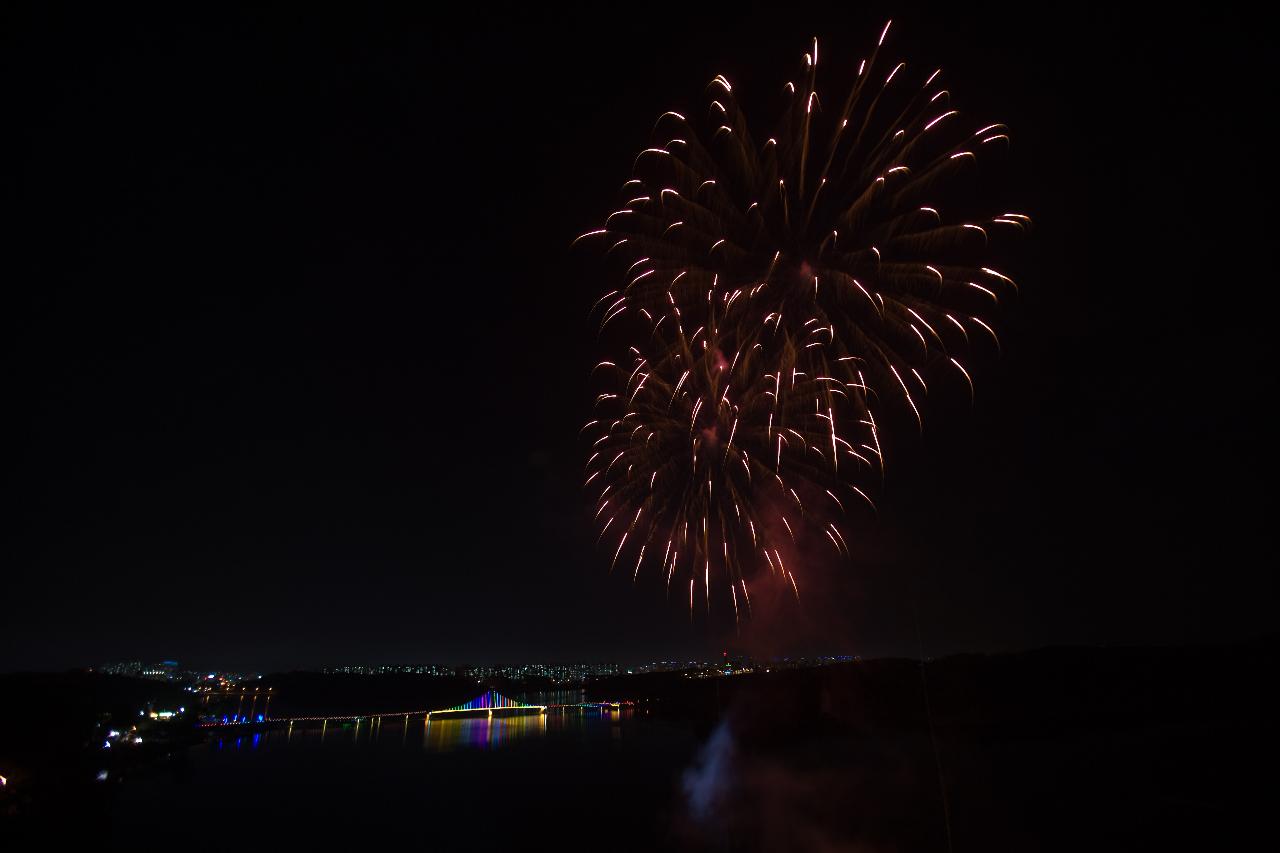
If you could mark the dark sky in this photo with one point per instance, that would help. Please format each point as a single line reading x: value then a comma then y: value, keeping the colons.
x: 298, y: 349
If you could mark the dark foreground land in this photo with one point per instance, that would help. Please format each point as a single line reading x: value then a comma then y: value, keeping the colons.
x: 1059, y: 749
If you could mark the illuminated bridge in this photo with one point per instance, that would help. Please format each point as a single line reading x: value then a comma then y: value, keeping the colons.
x: 490, y: 703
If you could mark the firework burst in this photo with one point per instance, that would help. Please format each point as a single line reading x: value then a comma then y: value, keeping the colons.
x: 778, y: 295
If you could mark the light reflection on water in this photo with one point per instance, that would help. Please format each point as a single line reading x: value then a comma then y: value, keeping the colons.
x: 481, y: 732
x: 437, y: 735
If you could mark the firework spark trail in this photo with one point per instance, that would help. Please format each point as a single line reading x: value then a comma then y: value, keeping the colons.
x: 778, y: 298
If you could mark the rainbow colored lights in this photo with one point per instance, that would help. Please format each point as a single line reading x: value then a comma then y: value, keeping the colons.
x: 488, y: 702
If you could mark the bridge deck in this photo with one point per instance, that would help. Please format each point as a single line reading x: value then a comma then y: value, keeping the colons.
x: 462, y: 712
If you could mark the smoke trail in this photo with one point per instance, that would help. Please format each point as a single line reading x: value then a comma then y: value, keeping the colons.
x: 706, y: 783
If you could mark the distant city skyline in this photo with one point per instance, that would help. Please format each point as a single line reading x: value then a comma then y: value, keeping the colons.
x: 554, y: 670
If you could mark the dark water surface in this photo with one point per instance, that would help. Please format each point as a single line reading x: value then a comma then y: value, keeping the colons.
x: 562, y: 778
x: 1064, y: 750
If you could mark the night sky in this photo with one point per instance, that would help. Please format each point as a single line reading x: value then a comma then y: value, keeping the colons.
x: 298, y: 348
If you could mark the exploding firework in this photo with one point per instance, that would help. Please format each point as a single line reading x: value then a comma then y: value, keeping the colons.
x: 708, y: 456
x: 779, y: 295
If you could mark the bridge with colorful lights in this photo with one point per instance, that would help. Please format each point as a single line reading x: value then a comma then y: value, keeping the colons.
x: 491, y: 703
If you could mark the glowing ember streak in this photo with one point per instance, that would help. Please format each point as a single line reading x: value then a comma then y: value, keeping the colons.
x: 819, y: 255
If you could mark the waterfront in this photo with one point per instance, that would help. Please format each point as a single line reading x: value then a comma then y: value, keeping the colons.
x: 1063, y: 749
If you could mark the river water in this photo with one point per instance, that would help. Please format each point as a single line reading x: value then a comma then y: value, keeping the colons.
x: 565, y: 778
